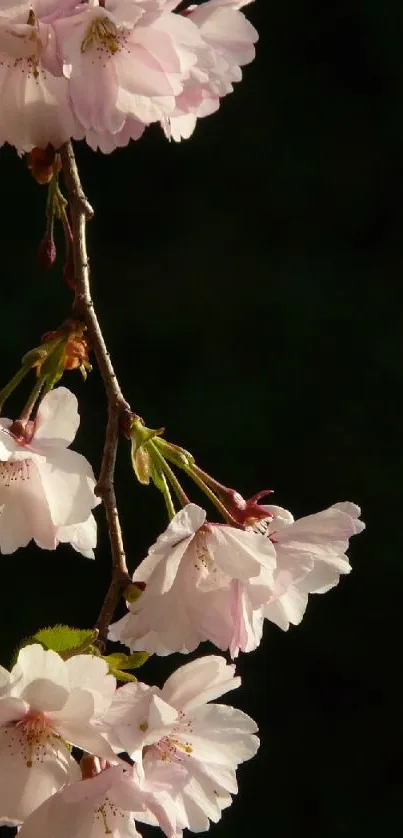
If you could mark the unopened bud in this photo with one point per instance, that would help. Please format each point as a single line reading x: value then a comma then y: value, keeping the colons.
x: 47, y: 252
x: 133, y: 591
x: 43, y: 163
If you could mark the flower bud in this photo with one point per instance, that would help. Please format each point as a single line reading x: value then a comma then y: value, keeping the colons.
x: 43, y: 163
x: 47, y: 252
x: 133, y: 591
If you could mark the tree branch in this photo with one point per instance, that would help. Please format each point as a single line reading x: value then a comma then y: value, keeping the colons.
x: 119, y: 412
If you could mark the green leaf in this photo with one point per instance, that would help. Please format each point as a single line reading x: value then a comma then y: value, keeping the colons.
x: 120, y: 661
x: 65, y: 639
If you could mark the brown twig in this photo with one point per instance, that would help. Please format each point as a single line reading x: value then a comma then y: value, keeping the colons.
x: 119, y: 412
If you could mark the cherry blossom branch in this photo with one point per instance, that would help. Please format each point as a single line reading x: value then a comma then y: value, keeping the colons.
x: 119, y: 412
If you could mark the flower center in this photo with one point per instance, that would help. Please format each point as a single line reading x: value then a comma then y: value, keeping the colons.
x: 172, y: 748
x: 261, y: 526
x: 202, y: 567
x: 11, y: 472
x: 108, y: 813
x: 30, y: 737
x: 204, y: 559
x: 102, y: 34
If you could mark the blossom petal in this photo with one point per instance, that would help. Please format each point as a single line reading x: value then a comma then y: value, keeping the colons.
x: 240, y: 553
x: 202, y: 680
x: 57, y: 419
x: 68, y: 481
x: 288, y: 608
x: 35, y: 668
x: 91, y: 673
x: 30, y: 775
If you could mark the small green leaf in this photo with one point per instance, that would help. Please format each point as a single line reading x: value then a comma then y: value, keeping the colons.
x: 65, y: 639
x: 118, y: 660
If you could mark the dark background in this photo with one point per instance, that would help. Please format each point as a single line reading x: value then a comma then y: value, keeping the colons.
x: 248, y: 282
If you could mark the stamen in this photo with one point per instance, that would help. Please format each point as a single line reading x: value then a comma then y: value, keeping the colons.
x: 102, y: 32
x: 11, y: 472
x: 31, y: 737
x: 175, y: 747
x: 108, y: 809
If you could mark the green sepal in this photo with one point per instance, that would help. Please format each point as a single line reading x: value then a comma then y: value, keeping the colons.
x: 121, y: 661
x: 35, y: 356
x: 126, y: 677
x: 174, y: 453
x: 140, y: 435
x: 141, y: 464
x: 52, y: 368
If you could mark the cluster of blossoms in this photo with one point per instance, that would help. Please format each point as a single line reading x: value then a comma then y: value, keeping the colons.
x: 201, y: 580
x: 81, y: 756
x: 165, y: 757
x: 105, y: 69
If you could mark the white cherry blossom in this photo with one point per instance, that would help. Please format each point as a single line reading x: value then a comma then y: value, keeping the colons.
x: 229, y: 41
x: 310, y: 556
x: 35, y: 107
x: 133, y: 58
x: 46, y: 702
x: 90, y: 808
x: 203, y: 582
x: 46, y: 490
x: 177, y: 726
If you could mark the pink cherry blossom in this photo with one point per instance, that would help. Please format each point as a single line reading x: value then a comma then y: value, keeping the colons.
x: 44, y: 703
x: 89, y: 808
x: 46, y: 490
x: 82, y: 536
x: 107, y: 803
x: 310, y: 555
x: 203, y: 582
x: 178, y: 727
x: 133, y: 57
x: 229, y: 38
x: 35, y: 107
x: 106, y: 71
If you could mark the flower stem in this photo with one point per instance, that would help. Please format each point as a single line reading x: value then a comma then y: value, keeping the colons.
x: 167, y: 497
x: 167, y: 471
x: 27, y: 409
x: 194, y: 473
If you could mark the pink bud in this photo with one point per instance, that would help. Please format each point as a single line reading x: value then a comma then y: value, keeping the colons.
x: 47, y: 252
